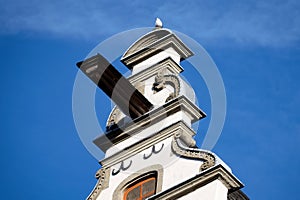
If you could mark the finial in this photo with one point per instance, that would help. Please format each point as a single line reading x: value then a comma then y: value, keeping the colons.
x: 158, y: 23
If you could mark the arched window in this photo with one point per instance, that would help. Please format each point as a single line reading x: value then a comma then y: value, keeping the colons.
x: 140, y: 190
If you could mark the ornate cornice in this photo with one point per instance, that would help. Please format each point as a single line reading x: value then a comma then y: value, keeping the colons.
x: 194, y: 153
x: 102, y: 175
x: 217, y: 172
x: 120, y: 134
x: 168, y: 64
x: 146, y: 143
x: 146, y: 40
x: 145, y: 51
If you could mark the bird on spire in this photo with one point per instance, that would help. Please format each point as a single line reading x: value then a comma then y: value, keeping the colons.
x: 158, y: 23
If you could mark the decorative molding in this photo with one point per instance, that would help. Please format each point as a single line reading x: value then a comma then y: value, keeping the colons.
x: 168, y: 65
x: 186, y: 137
x: 162, y: 80
x: 145, y: 50
x: 147, y: 143
x: 145, y: 41
x: 120, y: 134
x: 200, y: 180
x: 102, y: 175
x: 153, y: 151
x: 114, y: 173
x: 114, y: 118
x: 194, y: 153
x: 159, y: 82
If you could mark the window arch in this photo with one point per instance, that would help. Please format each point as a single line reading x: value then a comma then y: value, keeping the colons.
x: 141, y: 189
x: 155, y: 171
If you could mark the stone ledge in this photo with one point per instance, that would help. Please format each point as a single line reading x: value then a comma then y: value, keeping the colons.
x: 215, y: 173
x: 118, y: 135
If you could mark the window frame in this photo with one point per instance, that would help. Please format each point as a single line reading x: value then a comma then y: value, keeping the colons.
x: 139, y: 182
x: 155, y: 170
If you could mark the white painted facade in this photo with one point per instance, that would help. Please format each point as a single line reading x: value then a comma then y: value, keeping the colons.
x: 180, y: 167
x: 214, y: 190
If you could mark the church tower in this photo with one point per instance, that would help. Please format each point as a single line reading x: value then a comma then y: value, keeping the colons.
x: 149, y: 148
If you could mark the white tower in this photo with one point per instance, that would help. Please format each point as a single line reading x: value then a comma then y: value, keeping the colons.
x: 152, y: 155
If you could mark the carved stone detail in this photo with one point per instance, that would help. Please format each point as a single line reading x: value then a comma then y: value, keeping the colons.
x: 103, y: 177
x: 162, y: 80
x: 237, y: 195
x: 208, y: 158
x: 159, y: 83
x: 116, y: 118
x: 111, y: 122
x: 200, y: 180
x: 122, y: 167
x: 153, y: 151
x: 170, y: 97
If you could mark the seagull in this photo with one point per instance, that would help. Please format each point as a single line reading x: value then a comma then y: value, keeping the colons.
x: 158, y: 23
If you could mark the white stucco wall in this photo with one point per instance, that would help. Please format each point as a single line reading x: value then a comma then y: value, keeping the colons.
x: 175, y: 169
x: 169, y: 52
x: 212, y: 191
x: 155, y: 128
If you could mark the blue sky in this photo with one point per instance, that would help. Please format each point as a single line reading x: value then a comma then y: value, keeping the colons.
x: 255, y: 45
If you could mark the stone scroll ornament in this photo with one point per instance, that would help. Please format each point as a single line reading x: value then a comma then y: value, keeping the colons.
x: 194, y: 153
x: 103, y: 177
x: 162, y: 80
